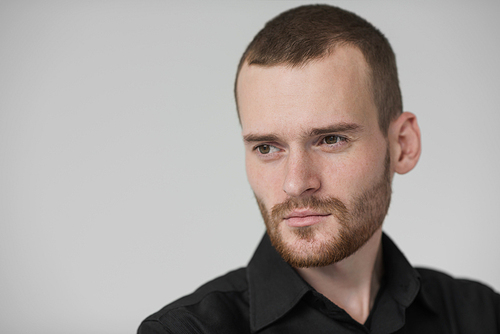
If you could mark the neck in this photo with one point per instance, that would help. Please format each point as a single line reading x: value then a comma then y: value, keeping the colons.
x: 352, y: 283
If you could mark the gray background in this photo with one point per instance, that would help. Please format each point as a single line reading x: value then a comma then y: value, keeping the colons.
x: 122, y: 182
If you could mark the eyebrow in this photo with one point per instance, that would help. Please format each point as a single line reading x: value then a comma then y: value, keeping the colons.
x: 340, y: 127
x: 337, y: 128
x: 252, y: 138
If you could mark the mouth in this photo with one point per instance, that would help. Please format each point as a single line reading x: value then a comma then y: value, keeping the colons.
x: 303, y: 218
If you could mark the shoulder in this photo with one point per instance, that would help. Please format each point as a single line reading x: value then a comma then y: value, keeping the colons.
x: 467, y: 302
x: 218, y: 306
x: 444, y: 284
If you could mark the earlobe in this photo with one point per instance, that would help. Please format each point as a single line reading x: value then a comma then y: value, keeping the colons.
x: 406, y: 147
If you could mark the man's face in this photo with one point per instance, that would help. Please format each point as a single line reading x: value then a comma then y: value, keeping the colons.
x: 315, y: 157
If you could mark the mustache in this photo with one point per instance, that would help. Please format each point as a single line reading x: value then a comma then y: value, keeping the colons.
x: 328, y: 205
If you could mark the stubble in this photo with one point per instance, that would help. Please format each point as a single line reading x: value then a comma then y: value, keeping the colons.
x: 356, y: 225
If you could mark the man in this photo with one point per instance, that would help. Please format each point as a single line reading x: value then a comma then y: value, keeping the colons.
x: 321, y: 114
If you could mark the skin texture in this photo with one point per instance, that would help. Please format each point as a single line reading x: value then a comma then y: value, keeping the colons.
x: 312, y: 132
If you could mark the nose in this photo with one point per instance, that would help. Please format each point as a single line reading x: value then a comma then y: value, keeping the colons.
x: 301, y: 177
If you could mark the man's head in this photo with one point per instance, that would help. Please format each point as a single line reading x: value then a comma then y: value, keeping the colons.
x: 319, y: 157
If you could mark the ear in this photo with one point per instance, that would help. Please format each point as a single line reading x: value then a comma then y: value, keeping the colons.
x: 404, y: 137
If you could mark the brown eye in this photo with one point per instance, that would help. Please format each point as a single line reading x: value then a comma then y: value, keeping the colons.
x: 331, y: 140
x: 264, y: 149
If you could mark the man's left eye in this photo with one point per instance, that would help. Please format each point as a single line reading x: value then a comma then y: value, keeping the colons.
x: 330, y: 140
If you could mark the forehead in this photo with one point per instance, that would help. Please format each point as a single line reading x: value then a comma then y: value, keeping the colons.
x: 333, y: 89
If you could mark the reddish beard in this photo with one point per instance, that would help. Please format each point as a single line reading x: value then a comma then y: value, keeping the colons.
x: 355, y: 225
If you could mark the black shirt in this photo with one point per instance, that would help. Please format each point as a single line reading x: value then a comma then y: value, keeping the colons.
x: 268, y: 296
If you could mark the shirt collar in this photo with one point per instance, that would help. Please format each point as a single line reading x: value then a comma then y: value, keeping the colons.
x: 275, y: 287
x: 404, y: 282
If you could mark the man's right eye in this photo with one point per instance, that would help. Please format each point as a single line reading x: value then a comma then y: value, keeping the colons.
x: 266, y: 149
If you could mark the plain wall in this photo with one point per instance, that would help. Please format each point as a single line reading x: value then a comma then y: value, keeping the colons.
x: 122, y: 182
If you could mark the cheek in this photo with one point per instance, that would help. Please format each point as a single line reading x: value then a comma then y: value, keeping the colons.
x: 346, y: 178
x: 252, y: 175
x: 264, y: 180
x: 367, y: 170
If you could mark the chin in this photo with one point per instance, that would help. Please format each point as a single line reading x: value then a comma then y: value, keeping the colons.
x: 307, y: 246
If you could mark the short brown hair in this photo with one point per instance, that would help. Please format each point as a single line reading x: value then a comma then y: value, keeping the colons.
x: 310, y: 32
